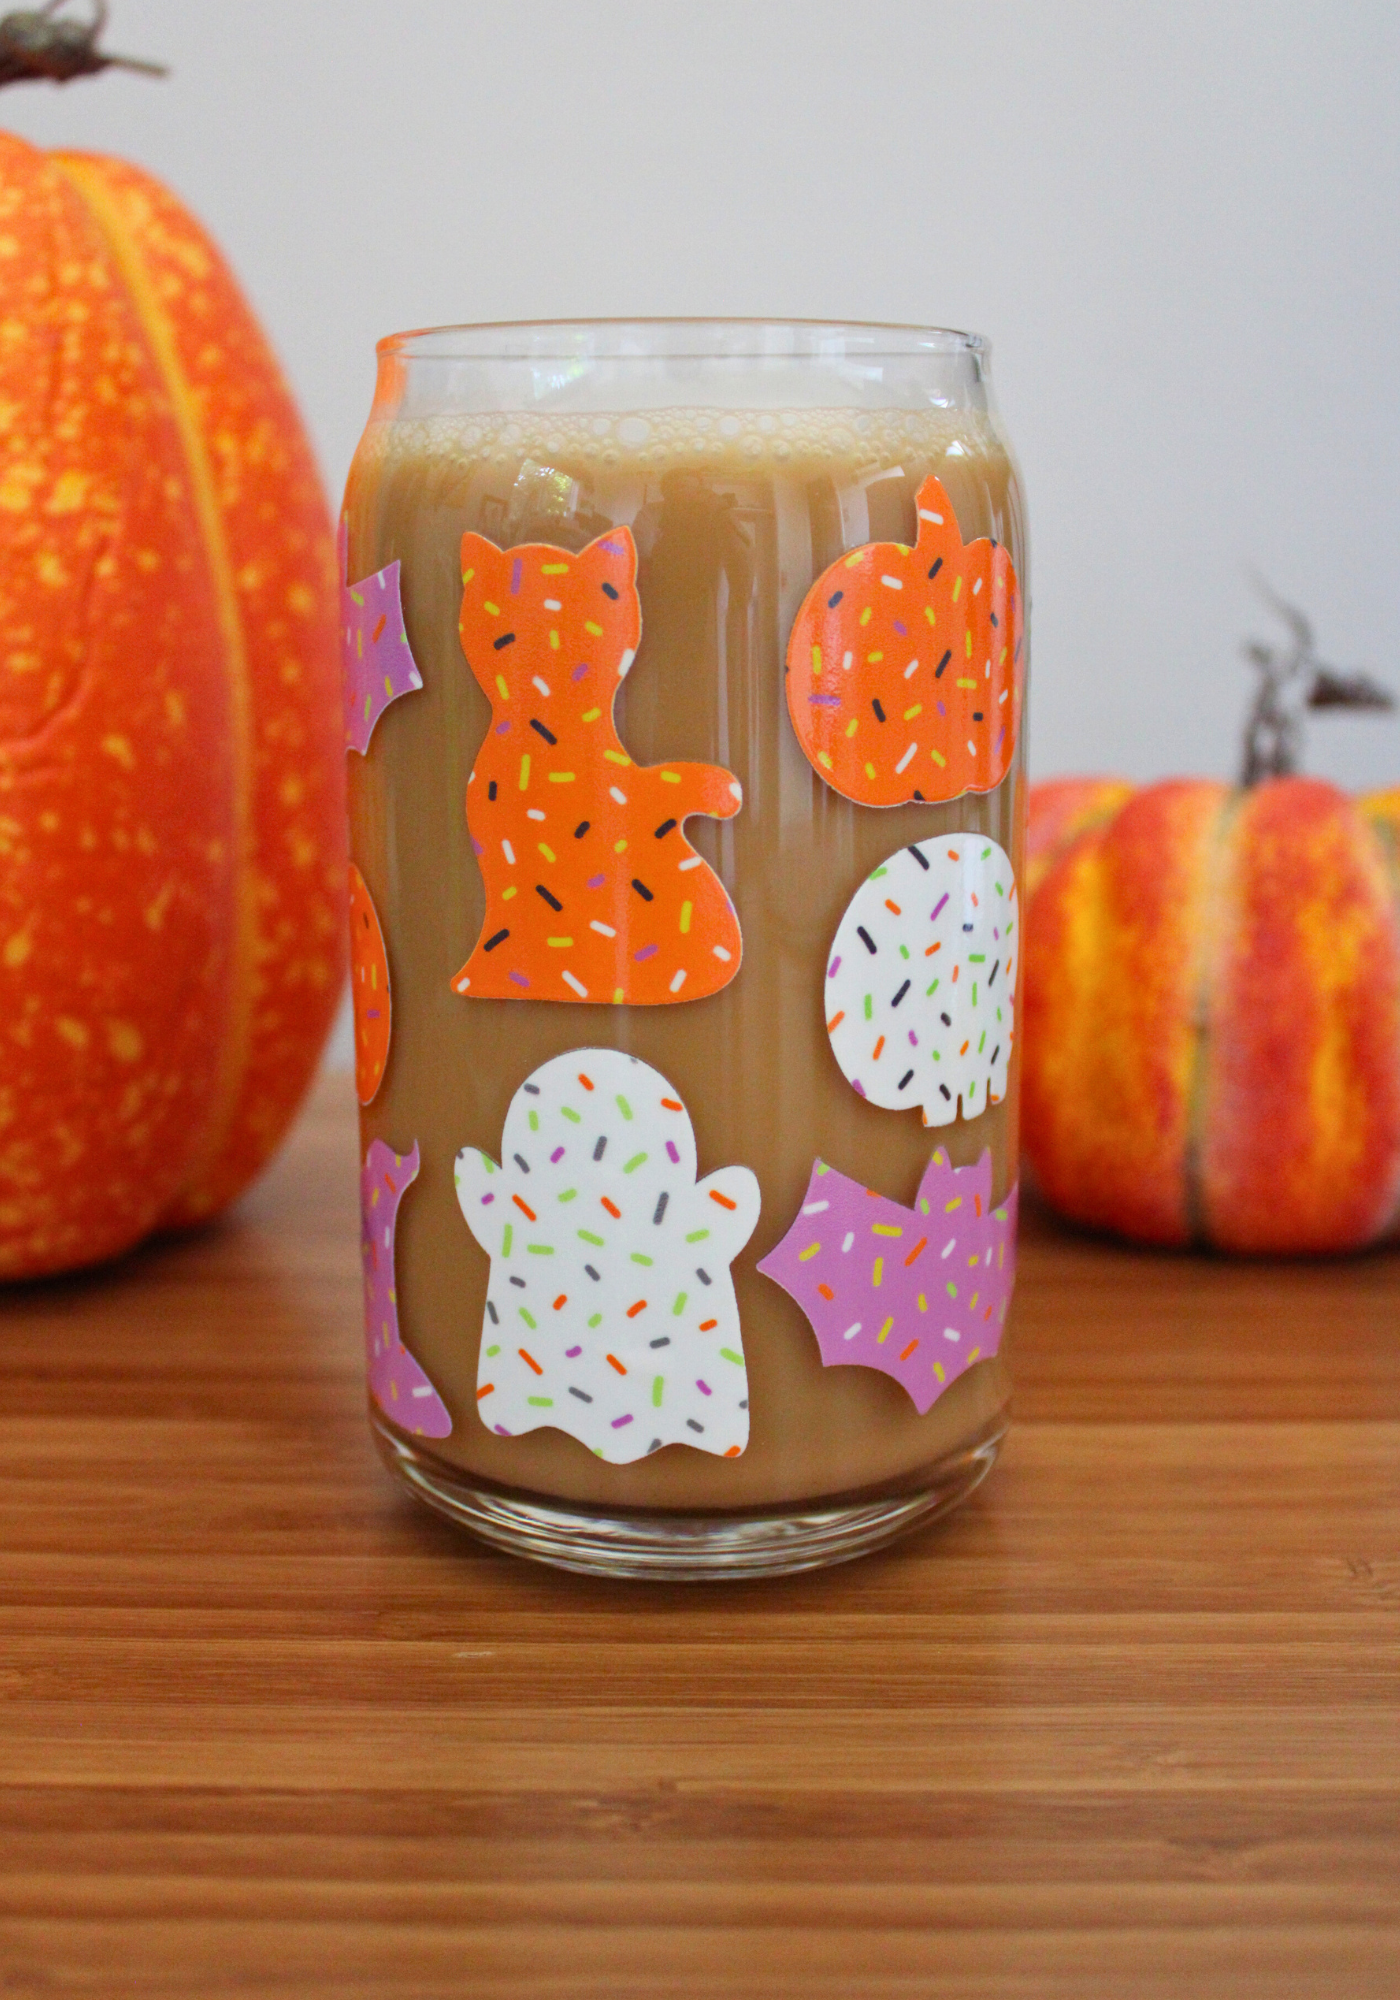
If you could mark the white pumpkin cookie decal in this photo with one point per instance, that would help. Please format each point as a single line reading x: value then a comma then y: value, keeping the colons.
x: 610, y: 1311
x: 920, y: 985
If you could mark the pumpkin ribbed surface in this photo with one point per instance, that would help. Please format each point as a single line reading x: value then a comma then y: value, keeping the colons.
x: 1212, y: 1039
x: 171, y: 816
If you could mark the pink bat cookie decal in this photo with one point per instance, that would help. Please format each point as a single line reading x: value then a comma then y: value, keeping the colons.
x: 378, y: 664
x: 921, y: 1292
x: 396, y: 1382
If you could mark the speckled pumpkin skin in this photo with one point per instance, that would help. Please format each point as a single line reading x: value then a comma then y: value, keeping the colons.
x: 1212, y: 1012
x: 172, y: 859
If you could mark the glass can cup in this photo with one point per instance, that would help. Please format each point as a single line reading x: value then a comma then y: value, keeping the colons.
x: 685, y: 680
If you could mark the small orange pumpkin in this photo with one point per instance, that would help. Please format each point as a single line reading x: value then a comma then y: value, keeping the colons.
x: 172, y: 865
x: 1211, y: 1046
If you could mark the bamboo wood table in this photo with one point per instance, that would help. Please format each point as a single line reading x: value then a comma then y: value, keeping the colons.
x: 1127, y: 1725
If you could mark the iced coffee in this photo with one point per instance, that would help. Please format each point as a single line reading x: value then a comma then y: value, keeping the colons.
x: 644, y: 879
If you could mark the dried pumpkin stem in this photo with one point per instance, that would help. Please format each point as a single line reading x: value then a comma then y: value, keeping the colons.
x: 38, y: 46
x: 1293, y: 678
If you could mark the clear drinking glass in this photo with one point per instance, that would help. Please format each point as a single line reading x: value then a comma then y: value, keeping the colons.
x: 617, y: 1016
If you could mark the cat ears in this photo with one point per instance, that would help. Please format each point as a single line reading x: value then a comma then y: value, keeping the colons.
x: 610, y: 558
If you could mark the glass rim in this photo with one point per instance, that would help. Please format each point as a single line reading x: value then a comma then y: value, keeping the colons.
x: 676, y: 339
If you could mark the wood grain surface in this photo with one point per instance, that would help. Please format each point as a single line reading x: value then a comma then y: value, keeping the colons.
x: 1125, y: 1726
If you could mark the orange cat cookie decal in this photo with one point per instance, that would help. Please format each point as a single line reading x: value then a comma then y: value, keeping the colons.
x: 592, y: 890
x: 904, y: 666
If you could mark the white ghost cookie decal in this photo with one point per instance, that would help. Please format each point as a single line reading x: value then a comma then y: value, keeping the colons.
x: 920, y: 985
x: 610, y: 1312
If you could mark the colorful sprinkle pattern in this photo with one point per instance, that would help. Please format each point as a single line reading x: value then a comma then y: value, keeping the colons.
x: 369, y: 989
x: 610, y: 1311
x: 920, y: 1293
x: 904, y: 666
x: 396, y: 1382
x: 378, y: 663
x: 592, y: 890
x: 921, y: 982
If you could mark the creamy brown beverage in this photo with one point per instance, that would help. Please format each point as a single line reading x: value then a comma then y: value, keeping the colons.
x: 734, y: 514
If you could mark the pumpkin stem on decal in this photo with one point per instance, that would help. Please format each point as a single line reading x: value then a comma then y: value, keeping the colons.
x: 1293, y: 678
x: 37, y: 45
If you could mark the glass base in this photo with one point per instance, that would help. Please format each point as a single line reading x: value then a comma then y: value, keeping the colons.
x: 688, y: 1547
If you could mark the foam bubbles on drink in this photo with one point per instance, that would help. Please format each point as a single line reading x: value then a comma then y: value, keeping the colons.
x: 682, y: 439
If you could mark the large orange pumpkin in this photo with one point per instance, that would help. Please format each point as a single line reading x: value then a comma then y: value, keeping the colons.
x: 1211, y: 1046
x: 172, y: 870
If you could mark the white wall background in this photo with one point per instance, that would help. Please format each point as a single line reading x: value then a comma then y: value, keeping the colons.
x: 1178, y: 223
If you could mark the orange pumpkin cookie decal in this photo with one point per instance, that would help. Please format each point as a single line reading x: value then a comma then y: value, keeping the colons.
x: 369, y: 989
x: 592, y: 890
x: 904, y: 666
